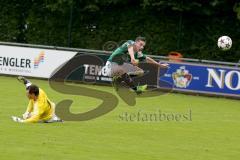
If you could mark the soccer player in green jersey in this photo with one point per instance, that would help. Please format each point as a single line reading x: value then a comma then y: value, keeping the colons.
x: 122, y: 64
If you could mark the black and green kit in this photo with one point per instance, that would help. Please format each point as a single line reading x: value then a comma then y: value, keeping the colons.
x: 121, y: 55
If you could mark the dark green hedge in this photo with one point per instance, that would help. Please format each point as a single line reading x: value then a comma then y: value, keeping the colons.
x: 191, y: 28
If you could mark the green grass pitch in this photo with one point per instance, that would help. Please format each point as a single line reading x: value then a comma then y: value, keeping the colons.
x: 212, y: 133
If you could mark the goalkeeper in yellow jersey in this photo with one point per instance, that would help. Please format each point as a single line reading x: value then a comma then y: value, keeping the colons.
x: 40, y: 108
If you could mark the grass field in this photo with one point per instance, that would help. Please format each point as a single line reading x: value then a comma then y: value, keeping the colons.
x: 211, y: 134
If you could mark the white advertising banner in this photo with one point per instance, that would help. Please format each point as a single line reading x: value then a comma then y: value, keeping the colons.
x: 34, y: 62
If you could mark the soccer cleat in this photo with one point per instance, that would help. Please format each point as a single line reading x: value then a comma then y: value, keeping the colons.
x: 54, y: 119
x: 59, y: 120
x: 23, y: 80
x: 141, y: 89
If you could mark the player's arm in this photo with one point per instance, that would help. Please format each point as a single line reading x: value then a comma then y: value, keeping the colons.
x: 152, y: 61
x: 29, y: 110
x: 30, y: 106
x: 36, y: 117
x: 131, y: 53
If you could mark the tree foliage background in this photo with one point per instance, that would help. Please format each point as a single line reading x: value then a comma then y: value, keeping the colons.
x: 189, y: 27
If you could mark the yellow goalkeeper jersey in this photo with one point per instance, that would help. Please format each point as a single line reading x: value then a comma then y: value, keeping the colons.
x: 41, y: 109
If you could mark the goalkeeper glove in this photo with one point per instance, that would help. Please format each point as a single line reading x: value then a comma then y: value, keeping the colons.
x: 26, y: 115
x: 16, y: 119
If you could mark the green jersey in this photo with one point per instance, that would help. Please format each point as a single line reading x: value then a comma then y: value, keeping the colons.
x: 121, y: 55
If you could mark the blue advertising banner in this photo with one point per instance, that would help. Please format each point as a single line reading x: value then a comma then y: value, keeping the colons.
x: 200, y: 78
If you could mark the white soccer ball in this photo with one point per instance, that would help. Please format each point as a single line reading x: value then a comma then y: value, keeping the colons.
x: 224, y: 43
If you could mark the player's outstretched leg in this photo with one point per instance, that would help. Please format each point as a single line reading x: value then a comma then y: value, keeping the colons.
x: 25, y: 81
x: 54, y: 118
x: 116, y: 80
x: 129, y: 81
